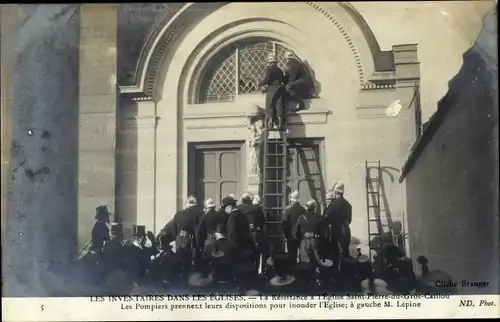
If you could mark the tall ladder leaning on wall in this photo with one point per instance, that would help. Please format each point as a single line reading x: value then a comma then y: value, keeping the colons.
x: 375, y: 227
x: 274, y: 180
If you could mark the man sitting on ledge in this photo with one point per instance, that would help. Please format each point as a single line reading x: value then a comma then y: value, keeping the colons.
x: 298, y: 83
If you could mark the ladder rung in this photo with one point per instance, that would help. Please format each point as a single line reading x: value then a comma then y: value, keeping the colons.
x: 273, y: 208
x: 275, y: 155
x: 275, y: 181
x: 374, y: 206
x: 274, y: 168
x: 372, y: 179
x: 272, y: 194
x: 372, y: 192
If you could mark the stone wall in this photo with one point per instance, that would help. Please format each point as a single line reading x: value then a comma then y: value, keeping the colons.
x: 452, y: 180
x: 41, y: 221
x: 96, y: 114
x: 452, y: 24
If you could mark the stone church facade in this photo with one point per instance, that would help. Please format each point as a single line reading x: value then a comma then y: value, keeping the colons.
x: 183, y: 109
x: 164, y: 101
x: 182, y: 125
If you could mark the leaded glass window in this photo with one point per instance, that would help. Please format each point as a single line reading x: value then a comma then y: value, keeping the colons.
x: 238, y: 70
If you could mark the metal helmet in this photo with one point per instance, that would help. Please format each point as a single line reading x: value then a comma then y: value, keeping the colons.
x: 271, y: 58
x: 293, y: 196
x: 339, y: 187
x: 256, y: 200
x: 209, y: 203
x: 311, y: 204
x: 191, y: 202
x: 246, y: 197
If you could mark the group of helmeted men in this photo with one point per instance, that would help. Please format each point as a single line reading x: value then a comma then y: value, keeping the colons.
x: 236, y: 235
x: 207, y: 244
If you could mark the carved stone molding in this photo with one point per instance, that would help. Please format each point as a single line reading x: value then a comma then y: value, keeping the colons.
x: 136, y: 97
x: 343, y: 32
x: 172, y: 32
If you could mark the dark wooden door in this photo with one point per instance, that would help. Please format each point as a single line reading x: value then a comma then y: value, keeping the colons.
x: 217, y: 173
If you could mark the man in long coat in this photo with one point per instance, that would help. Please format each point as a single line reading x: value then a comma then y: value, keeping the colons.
x: 290, y: 216
x: 339, y: 217
x: 184, y: 226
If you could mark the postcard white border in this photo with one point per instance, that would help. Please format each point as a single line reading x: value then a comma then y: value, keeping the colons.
x: 85, y: 309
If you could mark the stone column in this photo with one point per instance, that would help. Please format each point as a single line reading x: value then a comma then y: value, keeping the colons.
x: 136, y: 176
x: 97, y: 113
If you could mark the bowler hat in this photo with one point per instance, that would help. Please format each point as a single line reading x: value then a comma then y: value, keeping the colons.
x: 228, y: 201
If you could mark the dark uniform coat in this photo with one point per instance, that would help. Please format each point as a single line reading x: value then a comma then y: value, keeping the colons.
x: 308, y: 230
x: 256, y: 220
x: 184, y: 226
x: 290, y: 216
x: 100, y: 234
x: 339, y: 216
x: 300, y: 85
x: 211, y: 222
x: 275, y: 92
x: 167, y: 234
x: 238, y: 230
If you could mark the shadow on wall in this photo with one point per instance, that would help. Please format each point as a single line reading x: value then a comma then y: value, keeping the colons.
x: 390, y: 232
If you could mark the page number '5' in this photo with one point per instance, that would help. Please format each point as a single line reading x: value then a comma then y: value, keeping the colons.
x: 42, y: 307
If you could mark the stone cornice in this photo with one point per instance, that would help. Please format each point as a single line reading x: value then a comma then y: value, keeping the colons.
x: 237, y: 120
x: 134, y: 95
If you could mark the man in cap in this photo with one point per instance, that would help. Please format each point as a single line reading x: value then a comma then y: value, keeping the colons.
x: 184, y: 226
x: 308, y: 229
x: 339, y: 216
x: 256, y: 220
x: 290, y: 216
x: 275, y: 99
x: 298, y: 82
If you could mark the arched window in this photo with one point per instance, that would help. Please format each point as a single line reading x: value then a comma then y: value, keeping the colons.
x: 238, y: 69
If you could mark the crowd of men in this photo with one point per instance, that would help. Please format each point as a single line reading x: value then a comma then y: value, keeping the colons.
x: 233, y: 244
